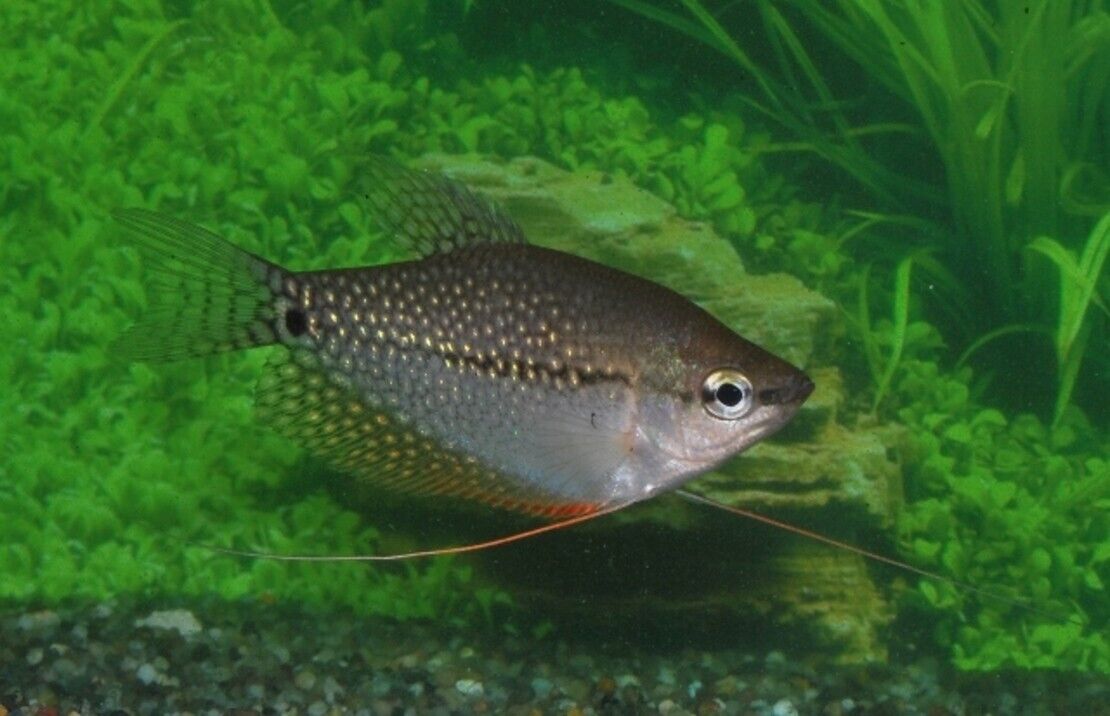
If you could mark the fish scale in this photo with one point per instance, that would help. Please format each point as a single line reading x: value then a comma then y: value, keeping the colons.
x: 487, y: 370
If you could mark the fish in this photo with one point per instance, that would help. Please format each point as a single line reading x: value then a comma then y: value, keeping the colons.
x: 482, y: 369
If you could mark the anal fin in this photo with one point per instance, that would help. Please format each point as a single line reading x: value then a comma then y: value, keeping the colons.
x: 337, y: 424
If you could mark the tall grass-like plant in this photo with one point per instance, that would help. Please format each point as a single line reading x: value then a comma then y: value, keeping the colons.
x: 1078, y: 292
x: 1007, y: 91
x: 882, y: 372
x: 1014, y: 98
x: 900, y: 319
x: 785, y: 106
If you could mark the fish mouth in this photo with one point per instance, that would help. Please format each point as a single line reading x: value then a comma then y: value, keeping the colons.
x: 804, y: 388
x: 794, y: 391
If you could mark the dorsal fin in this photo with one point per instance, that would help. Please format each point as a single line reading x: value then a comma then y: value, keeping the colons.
x: 429, y: 213
x: 337, y: 424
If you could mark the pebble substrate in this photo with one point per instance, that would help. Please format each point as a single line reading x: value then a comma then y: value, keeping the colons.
x: 258, y: 659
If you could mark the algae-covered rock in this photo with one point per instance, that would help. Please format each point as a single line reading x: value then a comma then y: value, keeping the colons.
x: 850, y: 467
x: 816, y: 472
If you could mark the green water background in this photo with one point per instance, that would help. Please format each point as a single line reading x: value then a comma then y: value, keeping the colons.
x: 250, y: 116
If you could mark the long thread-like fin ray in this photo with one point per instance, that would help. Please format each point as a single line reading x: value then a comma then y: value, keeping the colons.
x: 434, y: 552
x: 874, y: 556
x: 205, y: 295
x: 428, y: 212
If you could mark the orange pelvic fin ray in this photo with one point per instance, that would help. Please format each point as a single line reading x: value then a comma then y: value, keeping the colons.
x: 1018, y: 602
x: 437, y: 552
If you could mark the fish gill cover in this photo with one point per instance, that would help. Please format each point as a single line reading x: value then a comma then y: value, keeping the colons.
x: 249, y: 118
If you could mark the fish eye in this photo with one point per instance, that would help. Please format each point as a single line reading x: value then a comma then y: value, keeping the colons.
x: 727, y: 394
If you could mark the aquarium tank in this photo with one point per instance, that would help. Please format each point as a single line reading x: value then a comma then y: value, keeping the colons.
x: 909, y: 200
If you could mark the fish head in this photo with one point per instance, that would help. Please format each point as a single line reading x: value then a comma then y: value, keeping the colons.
x: 711, y: 395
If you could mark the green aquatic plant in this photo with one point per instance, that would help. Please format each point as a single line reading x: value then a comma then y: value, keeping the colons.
x: 1010, y: 95
x: 883, y: 375
x: 1006, y: 503
x: 784, y: 106
x: 1079, y: 290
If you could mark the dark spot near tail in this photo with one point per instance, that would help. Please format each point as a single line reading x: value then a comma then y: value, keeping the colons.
x: 296, y: 322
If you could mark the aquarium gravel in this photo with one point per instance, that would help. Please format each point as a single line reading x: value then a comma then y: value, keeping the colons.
x: 246, y: 659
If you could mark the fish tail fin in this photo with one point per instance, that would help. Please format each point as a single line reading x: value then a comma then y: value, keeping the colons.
x: 205, y: 295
